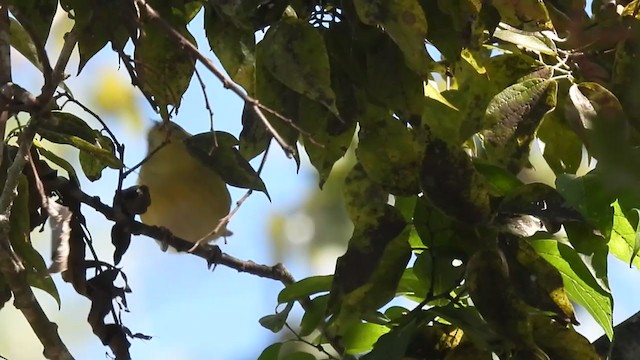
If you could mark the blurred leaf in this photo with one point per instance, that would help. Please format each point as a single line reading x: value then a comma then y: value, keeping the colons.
x: 295, y: 54
x: 405, y: 22
x: 298, y: 355
x: 234, y: 46
x: 225, y: 160
x: 588, y: 195
x: 563, y: 148
x: 514, y: 116
x: 21, y: 41
x: 272, y: 352
x: 305, y: 287
x: 276, y: 322
x: 92, y: 165
x: 35, y: 15
x: 450, y: 180
x: 360, y: 337
x: 442, y: 117
x: 36, y: 269
x: 436, y: 270
x: 579, y: 282
x: 57, y: 160
x: 468, y: 320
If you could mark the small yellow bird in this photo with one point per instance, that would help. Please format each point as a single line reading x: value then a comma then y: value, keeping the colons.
x: 187, y: 197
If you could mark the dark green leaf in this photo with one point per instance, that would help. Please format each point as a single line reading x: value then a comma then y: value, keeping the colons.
x: 513, y: 13
x: 276, y: 322
x: 305, y: 287
x: 164, y: 69
x: 393, y: 345
x: 501, y: 181
x: 21, y: 41
x: 298, y: 355
x: 450, y: 180
x: 560, y: 342
x: 272, y: 352
x: 513, y: 117
x: 314, y: 315
x: 295, y: 54
x: 437, y: 271
x: 36, y: 269
x: 405, y: 22
x: 58, y: 161
x: 36, y: 16
x: 234, y: 46
x: 225, y: 160
x: 563, y: 148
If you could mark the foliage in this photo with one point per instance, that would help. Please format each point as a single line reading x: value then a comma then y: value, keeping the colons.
x: 440, y: 216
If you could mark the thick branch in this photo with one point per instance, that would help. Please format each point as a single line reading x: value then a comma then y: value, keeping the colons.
x: 626, y: 342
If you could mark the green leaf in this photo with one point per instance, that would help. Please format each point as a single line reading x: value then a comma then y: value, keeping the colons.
x: 234, y: 47
x: 393, y: 344
x: 367, y: 275
x: 57, y: 160
x: 450, y: 180
x: 501, y: 181
x: 295, y: 54
x: 390, y: 82
x: 164, y: 69
x: 443, y: 117
x: 35, y: 15
x: 225, y: 160
x: 589, y: 196
x: 436, y: 270
x: 563, y: 148
x: 405, y: 22
x: 305, y: 287
x: 623, y: 243
x: 272, y: 352
x: 276, y: 322
x: 513, y: 13
x: 96, y: 150
x: 360, y: 337
x: 314, y: 315
x: 394, y: 165
x: 533, y: 42
x: 560, y: 342
x: 579, y: 282
x: 298, y: 355
x: 514, y: 116
x: 21, y: 41
x: 36, y: 269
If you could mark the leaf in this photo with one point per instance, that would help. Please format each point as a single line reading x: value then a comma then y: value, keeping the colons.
x: 528, y: 15
x: 435, y: 268
x: 360, y: 337
x: 537, y: 282
x: 295, y: 54
x: 588, y: 195
x: 393, y: 344
x: 501, y: 181
x: 623, y: 242
x: 35, y: 267
x: 578, y: 280
x: 560, y: 342
x: 57, y: 160
x: 276, y: 322
x: 532, y: 42
x: 21, y: 41
x: 35, y: 15
x: 305, y: 287
x: 405, y: 22
x: 514, y: 116
x: 96, y: 150
x: 313, y: 317
x: 234, y: 47
x: 298, y: 355
x: 442, y: 117
x: 271, y: 352
x: 394, y: 165
x: 164, y: 69
x: 225, y: 160
x: 367, y: 275
x: 450, y: 180
x: 390, y: 82
x: 562, y: 147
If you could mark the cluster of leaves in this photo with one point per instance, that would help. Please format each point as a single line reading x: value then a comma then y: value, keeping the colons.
x: 440, y: 216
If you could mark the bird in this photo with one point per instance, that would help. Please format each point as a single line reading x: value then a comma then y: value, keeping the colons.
x: 188, y: 198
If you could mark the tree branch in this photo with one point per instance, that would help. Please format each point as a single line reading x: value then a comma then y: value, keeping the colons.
x: 184, y: 43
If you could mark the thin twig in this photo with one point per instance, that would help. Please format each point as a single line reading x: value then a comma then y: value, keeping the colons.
x: 147, y: 158
x: 126, y: 60
x: 318, y: 347
x: 49, y: 88
x: 184, y: 43
x: 206, y: 102
x: 290, y: 123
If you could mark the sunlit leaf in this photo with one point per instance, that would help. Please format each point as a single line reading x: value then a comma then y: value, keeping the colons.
x: 360, y: 337
x: 305, y: 287
x: 276, y: 322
